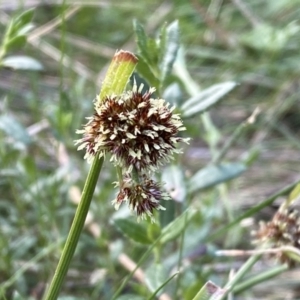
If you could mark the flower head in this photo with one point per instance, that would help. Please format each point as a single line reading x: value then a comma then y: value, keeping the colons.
x: 143, y: 197
x: 282, y: 230
x: 137, y: 130
x: 140, y: 134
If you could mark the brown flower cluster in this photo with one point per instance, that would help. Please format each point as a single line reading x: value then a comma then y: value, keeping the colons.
x: 140, y: 134
x: 282, y: 230
x: 143, y: 197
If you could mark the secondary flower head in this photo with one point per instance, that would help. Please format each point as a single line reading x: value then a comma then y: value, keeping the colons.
x: 143, y: 197
x: 138, y: 131
x: 282, y: 230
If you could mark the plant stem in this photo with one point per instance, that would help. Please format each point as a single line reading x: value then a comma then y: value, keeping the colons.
x: 236, y: 134
x: 264, y: 276
x: 120, y: 70
x: 240, y: 274
x: 76, y: 228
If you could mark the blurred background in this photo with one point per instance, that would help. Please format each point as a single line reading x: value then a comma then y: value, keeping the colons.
x: 47, y: 87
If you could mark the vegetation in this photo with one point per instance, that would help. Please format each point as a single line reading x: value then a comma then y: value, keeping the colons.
x: 230, y: 231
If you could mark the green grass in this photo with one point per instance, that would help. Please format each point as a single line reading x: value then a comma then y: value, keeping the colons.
x: 42, y: 174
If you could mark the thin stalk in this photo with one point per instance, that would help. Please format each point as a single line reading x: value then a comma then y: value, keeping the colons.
x: 259, y: 278
x: 236, y: 134
x: 120, y: 70
x: 153, y: 296
x: 180, y: 257
x: 135, y: 175
x: 76, y: 228
x: 240, y: 274
x: 120, y: 175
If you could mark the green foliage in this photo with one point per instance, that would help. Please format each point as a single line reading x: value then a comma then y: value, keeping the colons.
x: 206, y: 99
x: 157, y: 276
x: 270, y: 39
x: 15, y: 35
x: 14, y: 129
x: 157, y: 55
x: 230, y: 176
x: 175, y: 228
x: 215, y: 174
x: 135, y: 231
x: 15, y: 38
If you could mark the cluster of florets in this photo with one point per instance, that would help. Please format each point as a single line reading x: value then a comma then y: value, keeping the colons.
x: 282, y: 230
x: 143, y: 197
x: 140, y: 134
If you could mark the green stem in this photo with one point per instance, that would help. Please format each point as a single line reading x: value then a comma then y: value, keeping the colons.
x: 180, y: 257
x: 240, y: 274
x: 135, y: 175
x: 236, y: 134
x: 161, y: 286
x: 76, y: 228
x: 264, y: 276
x: 120, y: 175
x: 120, y: 70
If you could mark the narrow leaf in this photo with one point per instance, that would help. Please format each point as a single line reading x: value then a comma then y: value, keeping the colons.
x: 294, y: 195
x: 118, y: 74
x: 26, y: 29
x: 22, y: 20
x: 171, y: 49
x: 146, y: 73
x: 141, y: 40
x: 210, y: 291
x: 292, y: 198
x: 16, y: 42
x: 162, y: 41
x: 215, y: 174
x: 22, y: 63
x: 133, y: 230
x: 174, y: 229
x: 206, y: 99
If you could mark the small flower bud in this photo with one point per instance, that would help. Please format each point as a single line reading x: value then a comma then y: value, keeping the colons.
x: 143, y: 197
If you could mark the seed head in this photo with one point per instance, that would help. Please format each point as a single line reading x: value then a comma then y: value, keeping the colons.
x: 143, y: 197
x: 140, y: 134
x: 282, y: 230
x: 137, y: 130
